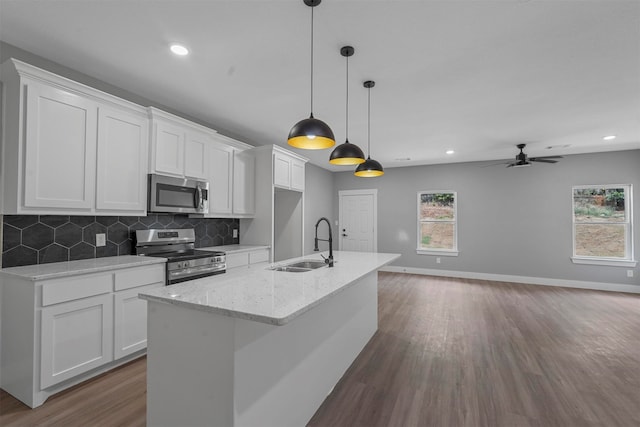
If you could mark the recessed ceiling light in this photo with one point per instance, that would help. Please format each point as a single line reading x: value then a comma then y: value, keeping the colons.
x: 178, y: 49
x: 609, y: 137
x: 449, y: 151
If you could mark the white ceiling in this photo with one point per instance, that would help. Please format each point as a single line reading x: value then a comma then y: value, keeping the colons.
x: 477, y: 77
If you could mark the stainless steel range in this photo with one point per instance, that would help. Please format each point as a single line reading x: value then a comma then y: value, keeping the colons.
x: 184, y: 262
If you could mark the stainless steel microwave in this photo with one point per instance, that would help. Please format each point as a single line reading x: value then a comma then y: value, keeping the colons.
x: 177, y: 195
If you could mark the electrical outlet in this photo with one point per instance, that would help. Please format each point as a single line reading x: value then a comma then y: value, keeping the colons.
x: 438, y: 260
x: 235, y: 233
x: 629, y: 273
x: 101, y: 239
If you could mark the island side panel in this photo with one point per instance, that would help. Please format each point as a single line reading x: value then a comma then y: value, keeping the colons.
x: 189, y: 367
x: 20, y: 335
x: 284, y: 373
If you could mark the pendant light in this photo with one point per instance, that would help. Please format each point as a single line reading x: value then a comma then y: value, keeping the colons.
x: 370, y: 168
x: 311, y: 133
x: 347, y: 153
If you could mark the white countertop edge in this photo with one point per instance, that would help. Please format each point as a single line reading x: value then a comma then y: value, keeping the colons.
x: 56, y: 270
x: 235, y: 249
x: 277, y: 321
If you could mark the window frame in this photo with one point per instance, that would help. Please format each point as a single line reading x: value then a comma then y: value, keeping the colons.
x: 438, y: 251
x: 629, y: 260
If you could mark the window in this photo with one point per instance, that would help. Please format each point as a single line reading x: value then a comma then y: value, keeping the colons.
x: 437, y: 223
x: 602, y: 225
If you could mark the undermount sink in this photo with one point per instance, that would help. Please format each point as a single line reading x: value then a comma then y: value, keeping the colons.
x: 308, y: 264
x: 299, y: 266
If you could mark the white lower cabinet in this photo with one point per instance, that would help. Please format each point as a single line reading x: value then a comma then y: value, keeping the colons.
x: 59, y: 332
x: 245, y: 259
x: 75, y: 337
x: 130, y: 321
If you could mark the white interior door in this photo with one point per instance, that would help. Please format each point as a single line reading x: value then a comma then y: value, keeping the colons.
x: 358, y: 229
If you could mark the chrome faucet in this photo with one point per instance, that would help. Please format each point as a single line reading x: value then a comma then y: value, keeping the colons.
x: 330, y: 240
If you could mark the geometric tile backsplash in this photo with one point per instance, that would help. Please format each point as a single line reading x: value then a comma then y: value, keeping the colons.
x: 40, y: 239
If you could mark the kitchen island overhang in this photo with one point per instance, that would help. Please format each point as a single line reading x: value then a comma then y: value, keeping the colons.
x: 258, y: 347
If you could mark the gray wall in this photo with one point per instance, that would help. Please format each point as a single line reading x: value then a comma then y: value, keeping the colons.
x: 510, y: 221
x: 319, y: 199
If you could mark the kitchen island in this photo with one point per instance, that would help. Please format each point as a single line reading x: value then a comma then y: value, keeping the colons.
x: 258, y: 346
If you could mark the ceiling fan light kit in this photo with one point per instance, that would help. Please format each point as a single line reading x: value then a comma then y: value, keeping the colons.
x: 311, y: 133
x: 347, y: 153
x: 370, y: 168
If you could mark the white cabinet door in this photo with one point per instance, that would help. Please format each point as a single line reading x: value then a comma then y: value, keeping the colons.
x: 76, y: 337
x: 195, y: 155
x: 237, y: 260
x: 130, y: 321
x: 220, y: 179
x: 60, y: 157
x: 297, y: 175
x: 258, y: 256
x: 168, y: 149
x: 288, y: 172
x: 244, y: 176
x: 122, y: 161
x: 281, y: 170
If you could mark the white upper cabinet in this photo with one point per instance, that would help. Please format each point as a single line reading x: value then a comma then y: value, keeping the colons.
x: 288, y: 171
x: 59, y: 149
x: 168, y: 149
x: 68, y: 148
x: 179, y: 147
x: 231, y: 178
x: 196, y: 148
x: 122, y: 161
x: 244, y: 177
x: 297, y: 175
x: 221, y: 179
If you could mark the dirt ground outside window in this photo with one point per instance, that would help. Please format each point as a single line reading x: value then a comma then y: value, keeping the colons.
x: 438, y: 233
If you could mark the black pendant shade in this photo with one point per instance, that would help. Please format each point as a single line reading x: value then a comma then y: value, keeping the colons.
x: 311, y: 133
x: 370, y: 168
x: 347, y: 153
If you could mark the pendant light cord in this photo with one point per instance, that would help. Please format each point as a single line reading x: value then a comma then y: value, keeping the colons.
x: 369, y: 123
x: 312, y: 61
x: 347, y: 107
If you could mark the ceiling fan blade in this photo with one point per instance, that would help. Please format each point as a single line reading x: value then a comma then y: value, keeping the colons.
x: 545, y: 157
x: 542, y: 160
x: 495, y: 164
x: 510, y: 165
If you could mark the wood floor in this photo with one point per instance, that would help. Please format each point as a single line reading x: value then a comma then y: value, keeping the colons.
x: 448, y: 352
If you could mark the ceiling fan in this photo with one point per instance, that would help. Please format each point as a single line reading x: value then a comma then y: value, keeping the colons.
x: 523, y: 160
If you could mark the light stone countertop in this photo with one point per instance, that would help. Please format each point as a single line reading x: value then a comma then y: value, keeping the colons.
x: 267, y: 296
x: 232, y: 249
x: 73, y: 268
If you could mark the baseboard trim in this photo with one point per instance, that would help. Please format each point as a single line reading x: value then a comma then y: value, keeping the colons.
x: 613, y: 287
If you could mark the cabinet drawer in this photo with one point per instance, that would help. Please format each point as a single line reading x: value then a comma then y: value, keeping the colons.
x: 259, y: 256
x: 140, y: 276
x: 72, y: 288
x: 237, y: 260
